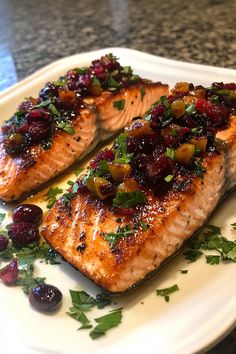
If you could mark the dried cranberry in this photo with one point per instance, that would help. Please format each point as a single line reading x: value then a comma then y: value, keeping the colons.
x: 9, y: 274
x: 230, y: 86
x: 140, y: 161
x: 36, y: 114
x: 45, y: 297
x: 217, y: 114
x: 161, y: 167
x: 3, y: 243
x: 38, y: 130
x: 123, y: 211
x: 106, y: 154
x: 25, y: 106
x: 23, y: 233
x: 27, y: 212
x: 158, y: 112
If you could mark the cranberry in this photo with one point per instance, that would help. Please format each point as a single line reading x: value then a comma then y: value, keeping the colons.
x: 45, y: 297
x: 23, y: 233
x: 9, y: 274
x: 25, y: 106
x: 217, y: 114
x: 140, y: 161
x: 160, y: 167
x: 23, y: 129
x: 3, y: 243
x: 106, y: 154
x: 38, y: 130
x: 123, y: 211
x: 158, y: 112
x: 36, y: 114
x: 27, y: 212
x: 230, y: 86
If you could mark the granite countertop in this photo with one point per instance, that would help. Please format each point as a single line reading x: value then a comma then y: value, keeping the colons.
x: 33, y: 34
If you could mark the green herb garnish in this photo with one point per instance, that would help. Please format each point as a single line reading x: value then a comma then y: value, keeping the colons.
x: 192, y: 255
x: 121, y: 232
x: 212, y: 259
x: 234, y: 225
x: 27, y: 280
x: 53, y: 109
x: 43, y: 103
x: 190, y: 109
x: 2, y: 217
x: 121, y: 155
x: 167, y: 291
x: 105, y: 323
x: 129, y: 199
x: 51, y: 196
x: 142, y: 93
x: 78, y: 171
x: 67, y: 127
x: 183, y: 271
x: 120, y: 105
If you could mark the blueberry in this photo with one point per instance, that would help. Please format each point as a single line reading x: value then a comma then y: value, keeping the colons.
x: 45, y: 297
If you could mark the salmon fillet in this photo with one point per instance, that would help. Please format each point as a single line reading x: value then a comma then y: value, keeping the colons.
x: 227, y: 138
x: 96, y: 122
x: 153, y: 190
x: 171, y: 221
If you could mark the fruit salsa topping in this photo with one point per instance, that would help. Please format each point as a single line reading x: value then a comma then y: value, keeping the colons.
x: 163, y: 150
x: 59, y: 102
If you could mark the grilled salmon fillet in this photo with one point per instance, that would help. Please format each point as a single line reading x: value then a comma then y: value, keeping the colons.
x: 78, y: 117
x: 77, y: 236
x: 153, y: 190
x: 227, y: 137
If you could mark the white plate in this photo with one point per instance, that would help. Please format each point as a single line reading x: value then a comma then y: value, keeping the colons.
x: 197, y: 316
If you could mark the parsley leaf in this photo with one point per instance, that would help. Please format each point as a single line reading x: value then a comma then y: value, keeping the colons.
x: 190, y: 109
x: 51, y: 196
x: 129, y: 199
x: 121, y: 232
x: 212, y: 259
x: 53, y: 109
x: 167, y: 291
x: 27, y: 281
x: 120, y: 149
x: 78, y: 171
x: 105, y: 323
x: 142, y: 93
x: 67, y: 127
x: 43, y: 104
x: 183, y: 271
x: 234, y: 225
x: 2, y: 217
x: 119, y: 105
x: 192, y: 255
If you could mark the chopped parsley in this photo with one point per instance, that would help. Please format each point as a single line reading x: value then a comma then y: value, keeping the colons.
x: 211, y: 240
x: 183, y: 271
x: 198, y: 168
x: 121, y: 232
x: 67, y: 127
x: 105, y: 323
x: 119, y: 105
x: 83, y: 302
x: 142, y: 93
x: 120, y: 149
x: 53, y: 109
x: 2, y: 217
x: 27, y: 280
x: 191, y: 109
x: 43, y: 103
x: 234, y: 225
x: 51, y: 196
x: 78, y: 171
x: 167, y: 291
x: 129, y: 199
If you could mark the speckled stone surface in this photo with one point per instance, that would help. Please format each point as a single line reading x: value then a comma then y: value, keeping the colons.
x: 35, y: 33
